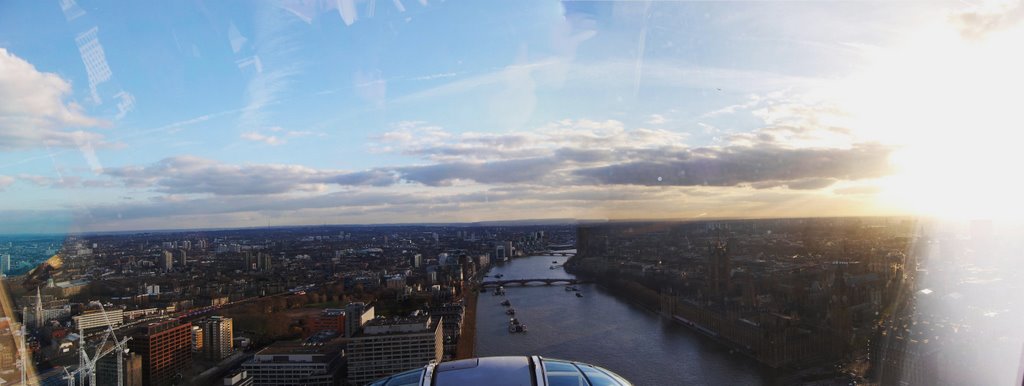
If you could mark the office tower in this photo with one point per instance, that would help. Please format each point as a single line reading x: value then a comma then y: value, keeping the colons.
x: 218, y: 337
x: 5, y: 263
x: 166, y: 350
x: 289, y: 363
x: 388, y: 346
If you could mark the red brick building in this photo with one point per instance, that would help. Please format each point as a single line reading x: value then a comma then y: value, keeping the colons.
x: 166, y: 349
x: 329, y: 319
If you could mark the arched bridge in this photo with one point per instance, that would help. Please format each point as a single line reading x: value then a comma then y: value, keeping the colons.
x: 526, y: 282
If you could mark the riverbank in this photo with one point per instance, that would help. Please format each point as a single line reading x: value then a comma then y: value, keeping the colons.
x: 466, y: 347
x: 605, y: 327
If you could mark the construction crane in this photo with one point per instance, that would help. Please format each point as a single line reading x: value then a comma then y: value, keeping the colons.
x: 86, y: 370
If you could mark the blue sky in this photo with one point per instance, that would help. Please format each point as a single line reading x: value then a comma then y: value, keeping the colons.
x: 305, y: 112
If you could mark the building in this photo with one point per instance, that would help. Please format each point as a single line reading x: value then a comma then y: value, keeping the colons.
x: 506, y: 371
x: 394, y: 282
x: 166, y: 262
x: 97, y: 319
x: 166, y: 349
x: 238, y: 378
x: 451, y: 315
x: 182, y: 258
x: 330, y: 319
x: 131, y: 370
x: 719, y: 270
x: 197, y: 339
x: 390, y: 345
x: 263, y: 261
x: 358, y: 314
x: 296, y: 364
x: 248, y: 261
x: 71, y: 288
x: 5, y: 263
x: 218, y: 337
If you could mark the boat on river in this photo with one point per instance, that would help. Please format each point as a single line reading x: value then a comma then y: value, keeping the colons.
x: 579, y: 295
x: 510, y: 311
x: 506, y: 303
x: 515, y: 326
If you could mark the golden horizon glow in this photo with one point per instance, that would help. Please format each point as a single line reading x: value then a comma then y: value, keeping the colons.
x: 949, y: 103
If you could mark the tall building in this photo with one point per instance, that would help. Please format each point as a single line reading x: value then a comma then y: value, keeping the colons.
x: 182, y: 258
x: 40, y: 318
x: 197, y: 339
x: 356, y: 315
x: 294, y: 363
x: 131, y: 370
x: 248, y: 261
x: 451, y: 315
x: 218, y: 337
x: 388, y: 346
x: 263, y: 261
x: 5, y: 263
x: 719, y: 270
x: 166, y: 349
x: 166, y: 261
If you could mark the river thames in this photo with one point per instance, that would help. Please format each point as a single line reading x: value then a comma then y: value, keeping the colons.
x: 604, y: 330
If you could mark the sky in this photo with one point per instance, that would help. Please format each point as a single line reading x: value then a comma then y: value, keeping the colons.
x: 139, y: 115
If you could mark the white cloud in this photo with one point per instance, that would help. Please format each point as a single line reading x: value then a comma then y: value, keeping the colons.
x: 280, y: 135
x: 267, y: 139
x: 194, y: 175
x: 982, y: 20
x: 657, y: 119
x: 35, y: 113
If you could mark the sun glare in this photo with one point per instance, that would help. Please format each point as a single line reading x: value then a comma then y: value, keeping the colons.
x: 951, y: 106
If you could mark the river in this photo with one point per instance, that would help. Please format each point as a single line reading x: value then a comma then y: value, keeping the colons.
x: 604, y: 330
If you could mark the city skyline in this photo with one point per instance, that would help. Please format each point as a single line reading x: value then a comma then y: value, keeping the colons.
x: 360, y: 112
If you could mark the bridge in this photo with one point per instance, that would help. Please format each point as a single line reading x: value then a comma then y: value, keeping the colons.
x: 526, y: 282
x: 556, y: 253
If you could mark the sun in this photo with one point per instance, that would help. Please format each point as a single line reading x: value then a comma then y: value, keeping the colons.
x: 951, y: 107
